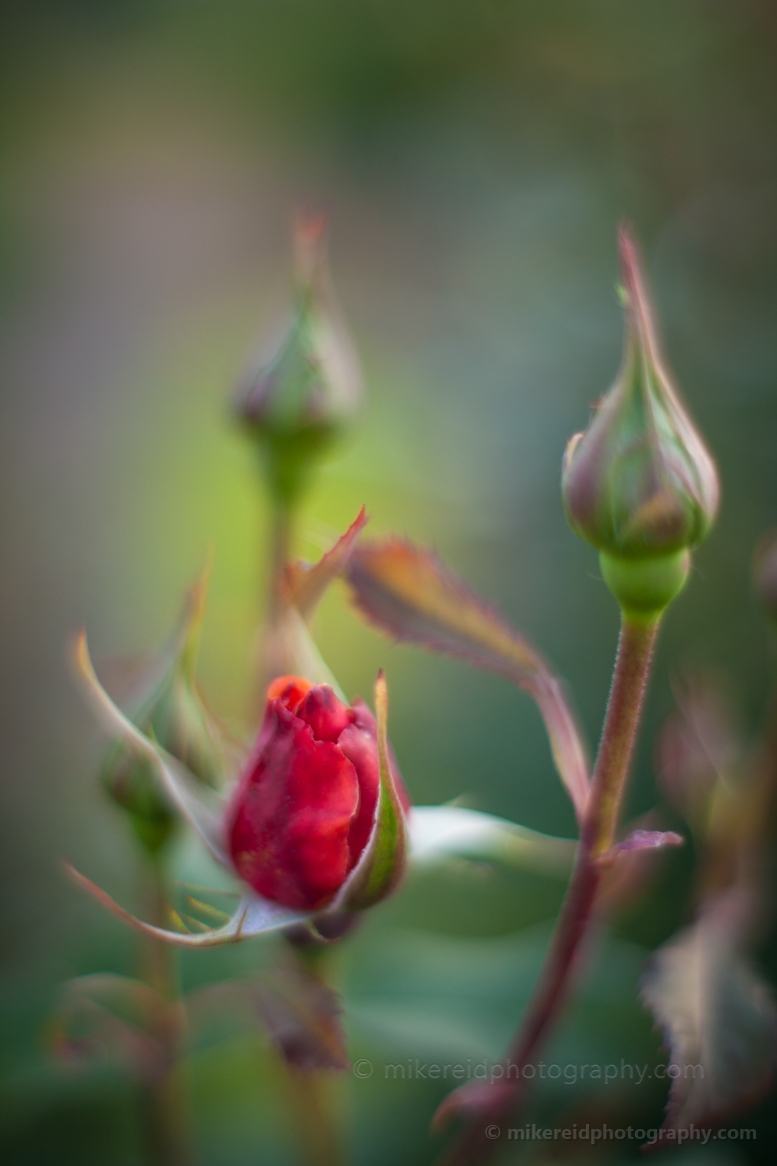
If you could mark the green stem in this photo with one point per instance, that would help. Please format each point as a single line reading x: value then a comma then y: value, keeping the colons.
x: 280, y: 541
x: 164, y: 1096
x: 311, y: 1093
x: 271, y: 651
x: 312, y: 1106
x: 495, y: 1102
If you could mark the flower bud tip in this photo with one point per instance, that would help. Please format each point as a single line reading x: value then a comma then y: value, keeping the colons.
x: 639, y: 483
x: 310, y: 233
x: 301, y: 395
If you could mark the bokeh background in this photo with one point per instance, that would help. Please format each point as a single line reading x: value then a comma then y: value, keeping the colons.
x: 476, y: 158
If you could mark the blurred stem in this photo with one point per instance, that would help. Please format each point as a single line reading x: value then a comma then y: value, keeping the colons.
x: 312, y: 1092
x: 271, y: 652
x: 757, y: 855
x: 280, y: 542
x: 164, y: 1099
x: 495, y: 1103
x: 769, y: 772
x: 312, y: 1107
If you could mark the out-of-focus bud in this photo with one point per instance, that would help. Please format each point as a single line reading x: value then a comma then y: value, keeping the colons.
x: 172, y: 713
x: 303, y: 811
x: 639, y: 483
x: 304, y: 393
x: 765, y: 572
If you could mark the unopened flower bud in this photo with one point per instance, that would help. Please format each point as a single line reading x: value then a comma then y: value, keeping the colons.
x: 303, y: 394
x: 639, y: 483
x: 765, y: 572
x: 173, y: 714
x: 303, y: 810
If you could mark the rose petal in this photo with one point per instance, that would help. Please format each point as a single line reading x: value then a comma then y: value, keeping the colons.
x: 291, y: 813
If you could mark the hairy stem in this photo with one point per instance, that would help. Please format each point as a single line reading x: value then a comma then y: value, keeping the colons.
x: 632, y: 667
x: 164, y: 1098
x: 492, y: 1104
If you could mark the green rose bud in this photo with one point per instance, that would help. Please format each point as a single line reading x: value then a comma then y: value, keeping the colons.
x: 303, y: 395
x: 639, y: 483
x: 172, y: 712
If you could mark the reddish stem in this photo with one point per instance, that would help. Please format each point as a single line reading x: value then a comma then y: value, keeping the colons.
x: 492, y: 1104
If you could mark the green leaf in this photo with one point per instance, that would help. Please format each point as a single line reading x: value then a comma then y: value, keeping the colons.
x: 440, y: 833
x: 718, y: 1017
x: 409, y: 594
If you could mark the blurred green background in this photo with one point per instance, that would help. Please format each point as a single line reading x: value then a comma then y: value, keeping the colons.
x: 476, y: 158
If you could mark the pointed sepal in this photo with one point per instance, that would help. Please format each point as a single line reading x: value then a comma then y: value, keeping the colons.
x: 199, y: 805
x: 306, y: 584
x: 172, y: 711
x: 253, y: 916
x: 382, y: 863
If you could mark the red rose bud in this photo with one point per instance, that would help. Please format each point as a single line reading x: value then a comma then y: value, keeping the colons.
x: 306, y: 390
x: 304, y: 809
x: 174, y: 715
x: 639, y: 483
x: 765, y: 572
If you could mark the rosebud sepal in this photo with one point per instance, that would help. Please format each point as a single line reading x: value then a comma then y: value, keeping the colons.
x: 644, y: 587
x: 200, y: 805
x: 382, y: 862
x: 254, y: 915
x: 167, y: 706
